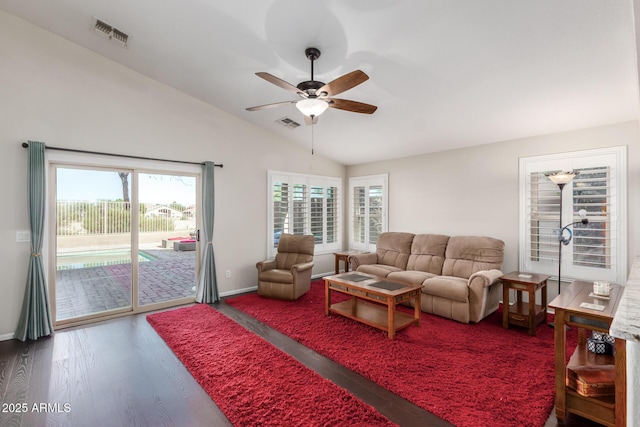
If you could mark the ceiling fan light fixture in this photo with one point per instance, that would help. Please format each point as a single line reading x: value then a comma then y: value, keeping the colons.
x: 312, y: 107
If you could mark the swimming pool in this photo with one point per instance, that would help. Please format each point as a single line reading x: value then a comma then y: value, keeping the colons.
x: 88, y: 259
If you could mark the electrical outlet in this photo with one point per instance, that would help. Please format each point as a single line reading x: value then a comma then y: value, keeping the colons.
x: 23, y: 236
x: 227, y: 274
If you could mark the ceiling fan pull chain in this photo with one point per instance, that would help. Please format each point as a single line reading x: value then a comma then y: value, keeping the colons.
x: 312, y: 150
x: 312, y: 126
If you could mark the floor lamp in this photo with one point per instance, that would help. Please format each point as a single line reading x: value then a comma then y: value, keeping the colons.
x: 561, y: 179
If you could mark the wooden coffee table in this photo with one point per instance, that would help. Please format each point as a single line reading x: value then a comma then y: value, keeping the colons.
x: 373, y: 300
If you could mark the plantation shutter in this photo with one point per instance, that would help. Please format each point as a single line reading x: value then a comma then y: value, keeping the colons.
x: 595, y: 245
x: 280, y: 208
x: 317, y: 213
x: 597, y: 250
x: 305, y: 204
x: 375, y: 212
x: 299, y: 216
x: 545, y: 212
x: 359, y: 221
x: 368, y: 211
x: 333, y: 214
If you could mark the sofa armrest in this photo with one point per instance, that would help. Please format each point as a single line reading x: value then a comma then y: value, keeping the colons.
x: 266, y: 265
x: 484, y: 298
x: 362, y: 259
x: 299, y: 268
x: 302, y: 273
x: 485, y: 277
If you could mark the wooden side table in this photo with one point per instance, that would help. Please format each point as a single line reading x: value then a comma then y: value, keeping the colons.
x: 344, y: 256
x: 527, y: 314
x: 607, y: 410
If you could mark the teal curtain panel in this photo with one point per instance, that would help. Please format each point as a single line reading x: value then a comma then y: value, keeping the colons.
x: 207, y: 284
x: 35, y: 319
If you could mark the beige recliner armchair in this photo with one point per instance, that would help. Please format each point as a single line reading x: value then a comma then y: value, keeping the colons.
x: 288, y: 276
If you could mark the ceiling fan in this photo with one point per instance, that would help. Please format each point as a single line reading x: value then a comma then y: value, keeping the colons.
x: 318, y: 96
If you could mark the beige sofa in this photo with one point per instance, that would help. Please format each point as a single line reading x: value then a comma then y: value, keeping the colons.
x: 459, y: 274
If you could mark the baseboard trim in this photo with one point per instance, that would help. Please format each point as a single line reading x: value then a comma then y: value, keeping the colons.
x: 7, y: 337
x: 239, y: 291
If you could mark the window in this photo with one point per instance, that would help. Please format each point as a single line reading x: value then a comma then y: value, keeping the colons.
x: 598, y: 249
x: 305, y: 204
x: 368, y: 211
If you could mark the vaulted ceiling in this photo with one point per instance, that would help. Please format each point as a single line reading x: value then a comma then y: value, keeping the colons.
x: 444, y: 74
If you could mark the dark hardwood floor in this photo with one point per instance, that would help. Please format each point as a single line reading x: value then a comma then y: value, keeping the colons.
x: 120, y: 373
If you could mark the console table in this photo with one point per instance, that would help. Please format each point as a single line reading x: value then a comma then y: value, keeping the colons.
x: 607, y: 410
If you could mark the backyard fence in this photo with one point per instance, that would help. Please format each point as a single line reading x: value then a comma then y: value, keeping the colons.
x: 108, y: 217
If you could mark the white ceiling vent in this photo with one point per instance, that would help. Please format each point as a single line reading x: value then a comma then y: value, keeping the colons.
x: 287, y: 122
x: 102, y: 28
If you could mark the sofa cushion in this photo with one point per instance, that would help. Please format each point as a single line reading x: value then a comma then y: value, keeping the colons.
x: 393, y: 249
x: 452, y: 288
x: 411, y: 276
x: 380, y: 270
x: 427, y: 253
x: 466, y: 255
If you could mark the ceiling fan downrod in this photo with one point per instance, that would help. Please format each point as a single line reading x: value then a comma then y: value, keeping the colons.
x: 312, y: 54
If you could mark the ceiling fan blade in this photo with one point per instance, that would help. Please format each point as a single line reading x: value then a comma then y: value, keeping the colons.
x: 354, y: 106
x: 279, y: 82
x: 308, y: 121
x: 343, y: 83
x: 266, y: 106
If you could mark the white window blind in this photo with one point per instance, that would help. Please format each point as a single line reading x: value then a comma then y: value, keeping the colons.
x: 304, y: 204
x: 376, y: 213
x: 368, y: 211
x: 333, y: 215
x: 598, y: 249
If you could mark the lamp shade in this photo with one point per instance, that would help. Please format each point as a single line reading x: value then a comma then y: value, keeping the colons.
x: 561, y: 177
x: 312, y: 107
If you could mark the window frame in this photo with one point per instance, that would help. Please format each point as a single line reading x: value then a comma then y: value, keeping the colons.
x: 310, y: 181
x: 368, y: 182
x: 614, y: 158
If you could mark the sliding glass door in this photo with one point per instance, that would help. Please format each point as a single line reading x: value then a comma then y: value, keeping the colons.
x: 124, y: 241
x: 93, y: 242
x: 167, y: 233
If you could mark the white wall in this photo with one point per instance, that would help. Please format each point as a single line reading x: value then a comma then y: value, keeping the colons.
x: 66, y: 96
x: 474, y: 191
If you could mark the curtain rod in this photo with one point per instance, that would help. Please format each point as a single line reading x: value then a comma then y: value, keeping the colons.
x: 25, y: 145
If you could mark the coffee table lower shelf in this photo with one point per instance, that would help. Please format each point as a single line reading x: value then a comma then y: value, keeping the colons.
x: 371, y: 314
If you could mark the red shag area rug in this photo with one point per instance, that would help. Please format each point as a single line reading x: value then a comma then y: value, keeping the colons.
x: 468, y: 374
x: 252, y: 382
